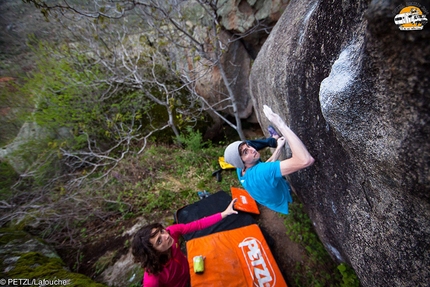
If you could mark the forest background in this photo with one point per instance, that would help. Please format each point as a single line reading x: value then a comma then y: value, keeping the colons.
x: 116, y: 128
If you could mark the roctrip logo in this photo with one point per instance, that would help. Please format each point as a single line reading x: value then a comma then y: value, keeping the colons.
x: 258, y: 262
x: 411, y: 17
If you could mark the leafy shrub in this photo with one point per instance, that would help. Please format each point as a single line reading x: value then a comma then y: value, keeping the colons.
x: 349, y: 279
x: 161, y: 201
x: 300, y: 229
x: 192, y: 140
x: 15, y: 107
x: 8, y: 175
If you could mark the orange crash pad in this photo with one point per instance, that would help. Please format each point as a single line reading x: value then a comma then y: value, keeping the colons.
x: 238, y: 257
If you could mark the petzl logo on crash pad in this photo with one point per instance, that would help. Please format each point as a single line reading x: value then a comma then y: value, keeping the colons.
x: 258, y: 263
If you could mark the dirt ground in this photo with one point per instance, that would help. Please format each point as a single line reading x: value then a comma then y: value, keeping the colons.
x: 286, y: 252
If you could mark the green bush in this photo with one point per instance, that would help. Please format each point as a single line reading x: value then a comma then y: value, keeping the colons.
x: 192, y: 140
x: 300, y: 229
x: 42, y: 158
x: 161, y: 201
x: 349, y: 278
x: 8, y: 175
x: 15, y: 107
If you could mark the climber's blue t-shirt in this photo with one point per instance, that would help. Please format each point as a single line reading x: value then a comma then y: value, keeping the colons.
x: 265, y: 183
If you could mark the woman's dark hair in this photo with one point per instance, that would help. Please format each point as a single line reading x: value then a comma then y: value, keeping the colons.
x: 143, y: 251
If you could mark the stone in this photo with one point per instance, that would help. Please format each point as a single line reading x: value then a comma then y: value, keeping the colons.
x: 25, y: 257
x: 355, y: 89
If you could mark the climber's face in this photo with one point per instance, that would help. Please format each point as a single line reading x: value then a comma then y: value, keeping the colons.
x: 161, y: 240
x: 248, y: 154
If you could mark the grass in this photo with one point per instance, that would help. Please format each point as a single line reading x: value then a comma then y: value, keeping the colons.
x: 161, y: 180
x: 171, y: 179
x: 165, y: 178
x: 318, y: 269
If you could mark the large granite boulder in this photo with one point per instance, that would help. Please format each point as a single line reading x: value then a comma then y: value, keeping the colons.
x: 237, y: 65
x: 242, y: 16
x: 246, y: 25
x: 256, y: 16
x: 356, y: 90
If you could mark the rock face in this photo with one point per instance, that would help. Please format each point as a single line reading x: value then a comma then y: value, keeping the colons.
x: 24, y: 257
x: 238, y: 17
x: 237, y: 64
x: 241, y: 16
x: 356, y: 90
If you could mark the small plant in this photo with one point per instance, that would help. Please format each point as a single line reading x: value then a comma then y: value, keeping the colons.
x: 300, y: 229
x: 152, y: 185
x: 80, y: 258
x: 104, y: 262
x: 162, y: 201
x: 349, y: 278
x: 8, y: 177
x: 192, y: 140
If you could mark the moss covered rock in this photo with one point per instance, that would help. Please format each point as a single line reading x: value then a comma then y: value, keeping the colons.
x: 24, y: 256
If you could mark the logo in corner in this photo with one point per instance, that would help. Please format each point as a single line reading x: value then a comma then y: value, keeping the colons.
x: 411, y: 17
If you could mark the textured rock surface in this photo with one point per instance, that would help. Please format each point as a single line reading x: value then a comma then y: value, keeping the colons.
x: 356, y: 90
x: 237, y: 66
x: 24, y: 257
x: 241, y: 16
